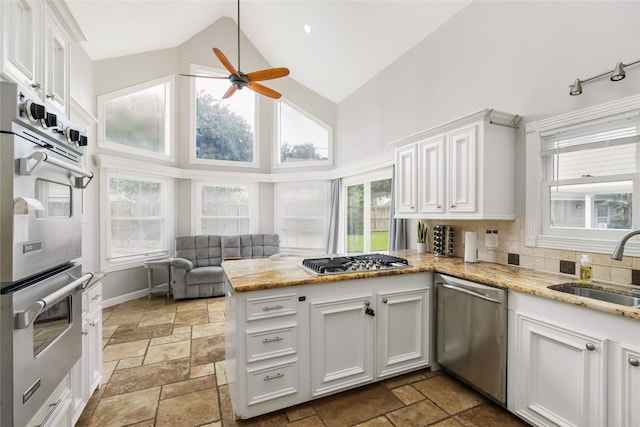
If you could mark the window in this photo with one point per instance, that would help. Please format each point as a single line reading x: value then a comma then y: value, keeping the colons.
x: 225, y: 208
x: 367, y: 216
x: 223, y: 130
x: 138, y: 119
x: 302, y: 139
x: 138, y: 222
x: 587, y: 171
x: 302, y: 215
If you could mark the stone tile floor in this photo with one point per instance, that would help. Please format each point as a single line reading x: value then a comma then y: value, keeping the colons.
x: 164, y: 366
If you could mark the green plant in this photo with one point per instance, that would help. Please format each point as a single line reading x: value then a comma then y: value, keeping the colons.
x: 422, y: 232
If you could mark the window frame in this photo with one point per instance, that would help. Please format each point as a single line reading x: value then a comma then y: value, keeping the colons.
x: 193, y: 160
x: 366, y: 179
x: 276, y: 145
x: 105, y: 230
x: 538, y: 234
x: 196, y: 189
x: 170, y: 92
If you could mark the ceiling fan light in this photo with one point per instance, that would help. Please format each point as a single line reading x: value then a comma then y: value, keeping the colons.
x: 575, y: 88
x: 618, y: 72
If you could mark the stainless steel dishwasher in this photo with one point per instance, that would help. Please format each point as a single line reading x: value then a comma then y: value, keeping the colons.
x: 471, y: 322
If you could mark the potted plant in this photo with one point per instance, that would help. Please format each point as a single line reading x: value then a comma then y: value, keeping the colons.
x: 422, y: 236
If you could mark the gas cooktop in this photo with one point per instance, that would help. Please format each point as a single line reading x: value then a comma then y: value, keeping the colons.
x: 353, y: 264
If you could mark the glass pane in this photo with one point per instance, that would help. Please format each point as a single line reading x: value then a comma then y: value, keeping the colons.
x: 598, y: 205
x: 138, y: 119
x: 224, y: 226
x: 302, y: 214
x: 225, y: 209
x: 224, y: 128
x: 136, y: 237
x: 355, y: 218
x: 134, y: 198
x: 604, y: 161
x: 380, y: 210
x: 301, y: 138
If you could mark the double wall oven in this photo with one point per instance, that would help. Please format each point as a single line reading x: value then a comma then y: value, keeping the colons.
x: 41, y: 185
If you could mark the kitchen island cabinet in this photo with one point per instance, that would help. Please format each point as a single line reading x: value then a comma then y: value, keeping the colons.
x: 291, y: 345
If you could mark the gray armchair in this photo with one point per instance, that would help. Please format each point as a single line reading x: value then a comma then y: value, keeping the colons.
x: 197, y: 270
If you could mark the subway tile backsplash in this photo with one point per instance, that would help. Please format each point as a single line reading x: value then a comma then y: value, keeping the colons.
x: 511, y: 246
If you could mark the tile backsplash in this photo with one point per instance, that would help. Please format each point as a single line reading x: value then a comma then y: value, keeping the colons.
x: 511, y: 242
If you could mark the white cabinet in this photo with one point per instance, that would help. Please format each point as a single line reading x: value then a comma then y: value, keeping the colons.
x: 36, y: 48
x: 561, y: 374
x: 463, y: 169
x: 57, y: 409
x: 403, y: 319
x: 86, y: 375
x: 291, y: 345
x: 342, y: 344
x: 570, y: 365
x: 624, y: 384
x: 406, y: 185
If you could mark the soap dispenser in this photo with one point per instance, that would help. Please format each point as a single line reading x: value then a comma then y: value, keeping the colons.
x: 585, y: 270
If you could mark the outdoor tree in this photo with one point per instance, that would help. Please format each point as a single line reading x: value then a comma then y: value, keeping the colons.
x: 221, y: 134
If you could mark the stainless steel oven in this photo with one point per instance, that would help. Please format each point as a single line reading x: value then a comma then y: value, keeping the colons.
x: 45, y: 340
x: 41, y: 186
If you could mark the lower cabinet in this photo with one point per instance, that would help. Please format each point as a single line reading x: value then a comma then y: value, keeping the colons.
x: 86, y: 375
x: 569, y: 366
x: 291, y: 345
x: 57, y: 410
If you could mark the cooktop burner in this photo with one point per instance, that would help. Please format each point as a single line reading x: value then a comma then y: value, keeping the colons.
x: 353, y: 264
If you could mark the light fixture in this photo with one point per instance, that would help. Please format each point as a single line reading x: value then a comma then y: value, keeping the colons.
x: 617, y: 74
x: 307, y: 28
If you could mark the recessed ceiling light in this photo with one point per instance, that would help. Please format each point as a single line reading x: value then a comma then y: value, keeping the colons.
x: 307, y: 28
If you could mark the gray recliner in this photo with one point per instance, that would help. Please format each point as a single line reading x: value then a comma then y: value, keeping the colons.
x: 197, y: 270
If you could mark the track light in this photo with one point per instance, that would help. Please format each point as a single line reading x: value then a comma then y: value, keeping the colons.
x: 617, y: 74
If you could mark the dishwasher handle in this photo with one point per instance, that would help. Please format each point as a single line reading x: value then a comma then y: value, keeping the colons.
x: 469, y: 292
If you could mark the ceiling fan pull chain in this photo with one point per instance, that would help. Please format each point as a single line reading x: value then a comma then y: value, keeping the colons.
x: 239, y: 36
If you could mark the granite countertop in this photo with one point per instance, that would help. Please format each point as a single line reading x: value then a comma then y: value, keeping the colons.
x: 269, y: 273
x: 97, y: 276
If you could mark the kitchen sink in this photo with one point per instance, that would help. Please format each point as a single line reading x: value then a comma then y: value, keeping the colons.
x: 599, y: 294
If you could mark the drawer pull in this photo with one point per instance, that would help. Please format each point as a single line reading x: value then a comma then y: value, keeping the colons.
x: 267, y: 340
x: 273, y: 307
x: 52, y: 407
x: 273, y: 377
x: 590, y: 346
x: 634, y: 362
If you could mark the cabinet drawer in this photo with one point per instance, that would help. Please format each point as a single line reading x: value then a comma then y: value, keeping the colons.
x: 273, y: 306
x: 268, y: 343
x: 272, y: 382
x: 92, y: 297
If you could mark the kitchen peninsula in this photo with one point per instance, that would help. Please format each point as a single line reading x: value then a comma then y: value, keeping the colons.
x: 293, y: 336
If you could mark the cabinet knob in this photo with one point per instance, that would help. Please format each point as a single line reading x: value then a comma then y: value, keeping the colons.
x: 85, y: 332
x: 590, y: 346
x: 384, y: 300
x: 92, y: 324
x: 50, y: 95
x: 634, y: 362
x: 438, y: 207
x: 36, y: 85
x: 453, y: 206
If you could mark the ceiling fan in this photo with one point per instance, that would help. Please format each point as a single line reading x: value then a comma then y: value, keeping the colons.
x: 239, y: 80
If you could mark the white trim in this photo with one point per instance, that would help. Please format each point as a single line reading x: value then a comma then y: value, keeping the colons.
x: 80, y: 114
x: 195, y: 69
x: 110, y: 302
x: 112, y: 162
x: 66, y: 18
x: 169, y: 83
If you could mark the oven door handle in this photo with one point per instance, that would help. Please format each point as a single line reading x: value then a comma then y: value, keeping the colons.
x: 24, y: 318
x: 39, y: 156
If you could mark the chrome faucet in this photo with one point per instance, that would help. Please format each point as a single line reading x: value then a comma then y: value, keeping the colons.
x: 619, y: 250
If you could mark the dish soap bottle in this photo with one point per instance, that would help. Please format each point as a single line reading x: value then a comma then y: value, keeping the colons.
x: 585, y: 270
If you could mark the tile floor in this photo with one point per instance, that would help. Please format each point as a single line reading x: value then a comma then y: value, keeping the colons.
x: 164, y: 366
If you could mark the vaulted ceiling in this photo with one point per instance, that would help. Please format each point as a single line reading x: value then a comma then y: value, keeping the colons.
x: 349, y: 43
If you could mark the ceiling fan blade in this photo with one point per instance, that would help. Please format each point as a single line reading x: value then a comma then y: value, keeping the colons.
x: 263, y: 90
x: 224, y: 61
x: 203, y: 76
x: 229, y: 92
x: 272, y: 73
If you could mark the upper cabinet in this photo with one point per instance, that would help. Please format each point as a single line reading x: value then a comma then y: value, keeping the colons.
x: 463, y: 169
x: 36, y: 37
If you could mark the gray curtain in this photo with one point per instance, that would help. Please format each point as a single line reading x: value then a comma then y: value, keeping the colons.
x: 397, y: 227
x: 333, y: 238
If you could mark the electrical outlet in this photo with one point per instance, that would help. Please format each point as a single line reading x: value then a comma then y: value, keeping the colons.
x: 491, y: 239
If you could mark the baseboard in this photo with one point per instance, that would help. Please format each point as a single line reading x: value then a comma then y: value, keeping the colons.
x: 124, y: 298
